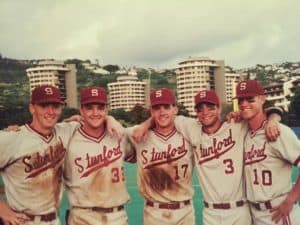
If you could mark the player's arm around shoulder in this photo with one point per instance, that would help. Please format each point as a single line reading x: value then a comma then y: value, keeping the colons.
x: 188, y: 127
x: 66, y: 130
x: 129, y: 145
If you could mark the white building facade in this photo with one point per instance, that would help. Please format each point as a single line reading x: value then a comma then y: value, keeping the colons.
x: 127, y: 92
x: 58, y: 74
x: 199, y: 73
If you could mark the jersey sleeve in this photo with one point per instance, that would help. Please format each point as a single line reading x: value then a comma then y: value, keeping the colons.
x: 66, y: 130
x: 6, y: 150
x: 288, y: 145
x: 187, y: 126
x: 129, y: 147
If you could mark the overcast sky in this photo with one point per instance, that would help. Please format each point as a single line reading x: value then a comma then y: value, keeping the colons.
x: 157, y: 33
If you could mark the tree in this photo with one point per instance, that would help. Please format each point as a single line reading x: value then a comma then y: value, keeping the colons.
x: 67, y: 112
x: 139, y: 114
x: 120, y: 114
x: 261, y: 76
x: 111, y: 68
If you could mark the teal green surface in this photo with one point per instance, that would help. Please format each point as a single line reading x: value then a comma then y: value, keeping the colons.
x: 135, y: 207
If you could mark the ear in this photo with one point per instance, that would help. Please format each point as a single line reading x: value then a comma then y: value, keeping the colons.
x: 262, y: 98
x: 31, y: 108
x: 106, y: 109
x: 176, y: 110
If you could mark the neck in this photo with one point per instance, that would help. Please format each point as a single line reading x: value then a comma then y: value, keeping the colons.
x: 164, y: 130
x: 212, y: 128
x: 93, y: 131
x: 40, y: 129
x: 256, y: 121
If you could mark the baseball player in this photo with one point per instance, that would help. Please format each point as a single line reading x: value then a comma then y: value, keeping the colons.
x: 164, y: 167
x: 268, y: 165
x: 218, y: 149
x: 31, y: 162
x: 94, y: 172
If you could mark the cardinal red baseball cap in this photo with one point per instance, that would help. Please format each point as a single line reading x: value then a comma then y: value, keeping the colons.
x: 249, y: 88
x: 162, y: 96
x: 206, y: 96
x: 46, y: 94
x: 93, y: 95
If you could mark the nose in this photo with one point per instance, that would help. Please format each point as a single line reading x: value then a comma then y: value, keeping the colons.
x: 50, y: 109
x: 205, y: 110
x: 95, y: 111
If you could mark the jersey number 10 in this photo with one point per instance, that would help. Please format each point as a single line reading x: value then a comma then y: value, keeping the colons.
x: 266, y: 176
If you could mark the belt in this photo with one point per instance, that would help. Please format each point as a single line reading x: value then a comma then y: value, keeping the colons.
x: 169, y: 205
x: 46, y: 217
x: 224, y: 205
x: 262, y: 205
x: 103, y: 210
x: 108, y: 210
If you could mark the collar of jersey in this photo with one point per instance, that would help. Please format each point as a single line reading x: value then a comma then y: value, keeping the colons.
x: 46, y: 138
x: 90, y: 137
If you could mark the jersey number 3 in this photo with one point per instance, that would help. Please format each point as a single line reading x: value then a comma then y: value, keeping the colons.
x: 229, y: 166
x: 117, y: 174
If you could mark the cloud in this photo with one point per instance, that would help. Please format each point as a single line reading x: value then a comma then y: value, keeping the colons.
x: 151, y: 33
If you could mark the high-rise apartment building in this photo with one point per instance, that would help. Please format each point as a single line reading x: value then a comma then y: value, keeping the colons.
x: 58, y: 74
x: 127, y: 92
x: 279, y: 94
x: 231, y: 80
x: 199, y: 73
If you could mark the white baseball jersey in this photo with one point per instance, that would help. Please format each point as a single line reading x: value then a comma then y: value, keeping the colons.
x: 219, y: 159
x: 31, y: 167
x: 164, y: 167
x: 268, y: 165
x: 94, y: 172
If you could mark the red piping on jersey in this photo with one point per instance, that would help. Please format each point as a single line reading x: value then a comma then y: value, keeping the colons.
x: 164, y: 137
x: 46, y: 138
x: 253, y: 132
x: 92, y: 138
x: 221, y: 124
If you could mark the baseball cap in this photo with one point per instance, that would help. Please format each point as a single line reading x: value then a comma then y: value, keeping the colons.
x: 162, y: 96
x: 46, y: 94
x: 209, y: 96
x: 93, y: 95
x: 249, y: 88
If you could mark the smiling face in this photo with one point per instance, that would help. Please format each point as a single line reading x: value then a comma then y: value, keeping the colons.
x: 45, y: 116
x: 93, y: 115
x: 251, y: 107
x: 164, y: 116
x: 209, y: 115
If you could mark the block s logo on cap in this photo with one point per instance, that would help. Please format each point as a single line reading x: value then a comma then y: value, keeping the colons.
x: 48, y: 91
x: 94, y: 92
x: 158, y: 94
x: 162, y: 96
x: 243, y: 86
x: 202, y: 94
